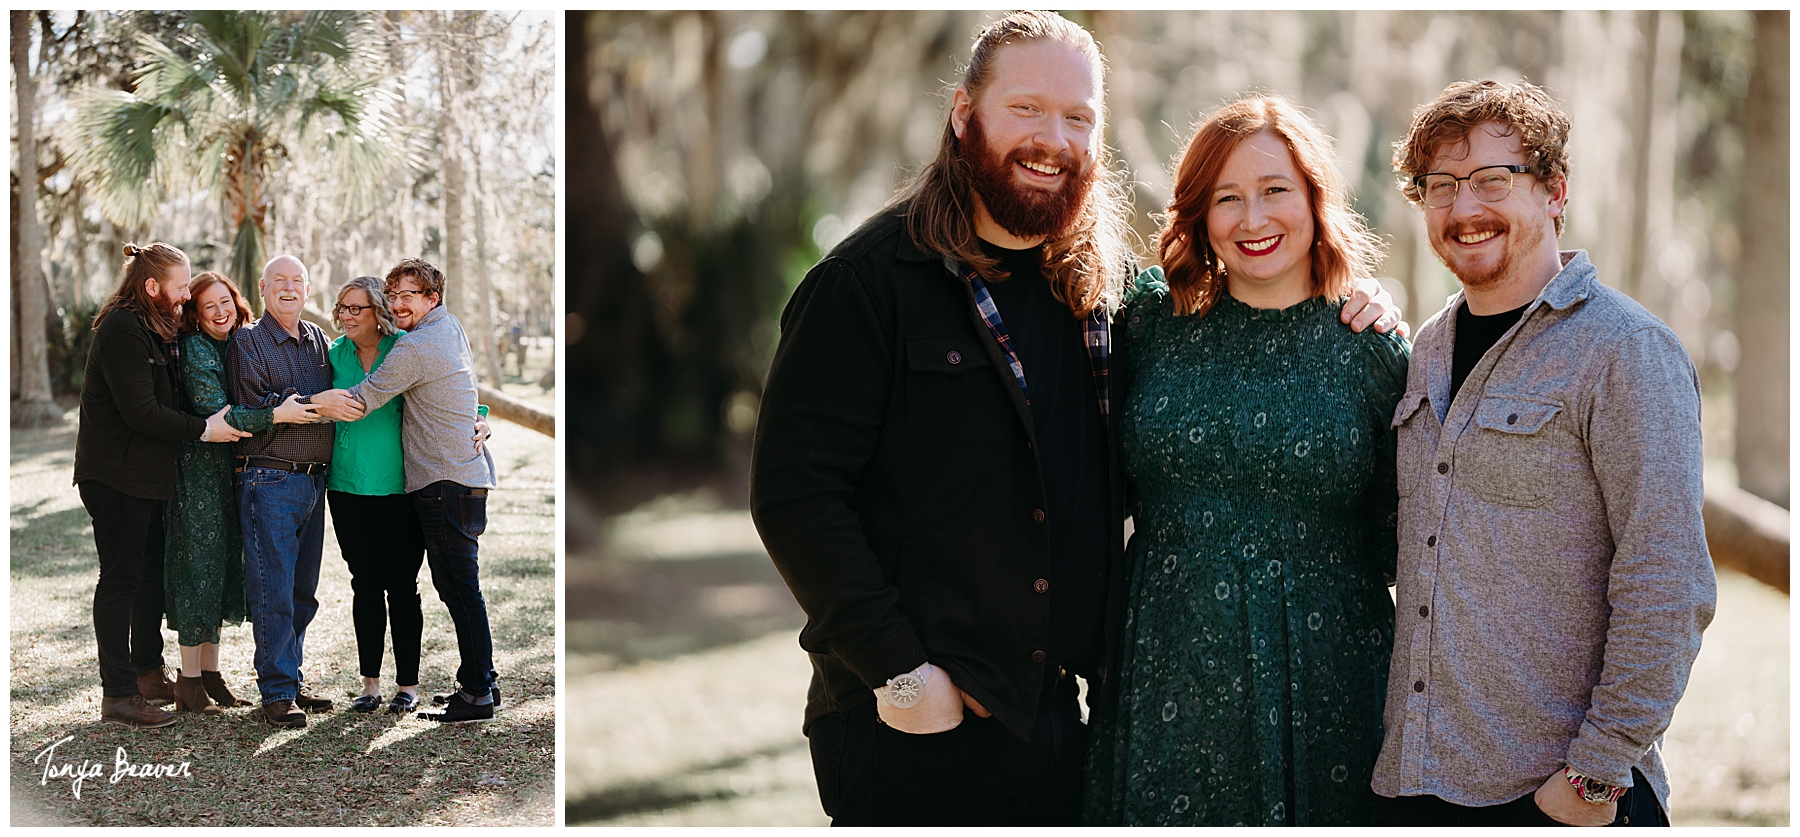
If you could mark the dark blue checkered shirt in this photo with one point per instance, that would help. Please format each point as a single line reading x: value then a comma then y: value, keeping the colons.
x: 264, y: 366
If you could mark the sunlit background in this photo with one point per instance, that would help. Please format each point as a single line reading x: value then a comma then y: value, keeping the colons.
x: 715, y: 155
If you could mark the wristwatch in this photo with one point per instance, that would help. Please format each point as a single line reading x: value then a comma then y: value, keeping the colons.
x: 904, y: 690
x: 1593, y: 791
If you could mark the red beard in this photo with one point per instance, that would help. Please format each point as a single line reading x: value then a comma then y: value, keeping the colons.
x: 1022, y: 210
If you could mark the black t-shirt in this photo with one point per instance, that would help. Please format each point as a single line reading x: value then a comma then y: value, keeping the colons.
x: 1475, y: 334
x: 1071, y: 440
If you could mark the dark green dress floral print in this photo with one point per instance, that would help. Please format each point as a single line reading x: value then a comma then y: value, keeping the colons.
x: 1258, y: 623
x: 203, y: 555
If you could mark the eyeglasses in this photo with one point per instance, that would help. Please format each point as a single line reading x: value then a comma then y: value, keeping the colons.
x: 1489, y: 183
x: 394, y: 296
x: 352, y: 310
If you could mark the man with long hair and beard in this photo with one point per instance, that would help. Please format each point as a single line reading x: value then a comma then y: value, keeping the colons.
x: 125, y: 448
x: 933, y: 469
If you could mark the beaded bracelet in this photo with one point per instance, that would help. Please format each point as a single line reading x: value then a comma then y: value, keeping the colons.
x: 1593, y: 791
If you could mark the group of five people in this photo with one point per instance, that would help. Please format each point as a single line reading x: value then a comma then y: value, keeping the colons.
x: 210, y: 445
x: 976, y: 388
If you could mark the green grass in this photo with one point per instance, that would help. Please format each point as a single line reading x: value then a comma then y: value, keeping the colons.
x: 343, y: 769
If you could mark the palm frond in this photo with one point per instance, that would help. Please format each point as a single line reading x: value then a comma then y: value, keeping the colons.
x: 118, y: 142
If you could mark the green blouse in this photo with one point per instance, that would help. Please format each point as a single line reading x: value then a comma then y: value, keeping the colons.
x: 365, y: 458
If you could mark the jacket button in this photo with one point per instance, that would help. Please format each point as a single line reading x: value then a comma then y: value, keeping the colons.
x: 1512, y: 419
x: 1039, y: 656
x: 1424, y: 611
x: 1037, y: 515
x: 1418, y: 685
x: 1041, y: 585
x: 1443, y: 467
x: 954, y: 358
x: 1431, y: 541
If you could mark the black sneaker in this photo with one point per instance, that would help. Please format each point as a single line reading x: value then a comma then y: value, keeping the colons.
x: 440, y: 700
x: 458, y: 710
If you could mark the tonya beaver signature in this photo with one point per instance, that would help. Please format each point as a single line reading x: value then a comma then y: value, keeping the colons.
x: 122, y: 767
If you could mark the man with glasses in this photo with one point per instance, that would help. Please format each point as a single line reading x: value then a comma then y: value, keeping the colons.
x: 280, y: 482
x: 447, y: 476
x: 1553, y: 573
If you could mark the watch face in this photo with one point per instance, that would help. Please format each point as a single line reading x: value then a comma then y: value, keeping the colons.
x: 905, y: 690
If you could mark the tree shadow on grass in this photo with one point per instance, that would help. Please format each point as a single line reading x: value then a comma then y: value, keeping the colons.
x: 40, y: 548
x: 641, y: 610
x: 690, y: 787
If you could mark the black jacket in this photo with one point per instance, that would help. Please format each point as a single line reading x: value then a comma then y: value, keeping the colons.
x: 131, y: 425
x: 895, y: 482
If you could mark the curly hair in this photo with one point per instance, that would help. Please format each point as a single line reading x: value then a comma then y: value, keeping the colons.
x: 1087, y: 263
x: 430, y: 279
x: 1525, y: 108
x: 1343, y: 249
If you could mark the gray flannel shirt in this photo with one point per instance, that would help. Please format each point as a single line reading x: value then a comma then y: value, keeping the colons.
x: 1553, y: 573
x: 432, y: 366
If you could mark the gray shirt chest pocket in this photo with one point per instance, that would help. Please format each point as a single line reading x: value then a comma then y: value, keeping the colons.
x: 1508, y: 456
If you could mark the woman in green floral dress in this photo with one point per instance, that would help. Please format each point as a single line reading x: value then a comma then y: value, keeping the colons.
x: 1255, y: 434
x: 203, y: 575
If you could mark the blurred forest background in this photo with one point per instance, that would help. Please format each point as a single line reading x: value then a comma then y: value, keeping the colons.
x: 349, y: 139
x: 716, y: 155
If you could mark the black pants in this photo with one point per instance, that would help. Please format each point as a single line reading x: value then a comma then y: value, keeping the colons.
x: 381, y: 541
x: 453, y: 517
x: 128, y: 599
x: 1638, y: 807
x: 976, y: 774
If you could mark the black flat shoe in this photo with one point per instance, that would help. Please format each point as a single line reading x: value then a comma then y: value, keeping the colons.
x: 402, y: 703
x: 366, y: 703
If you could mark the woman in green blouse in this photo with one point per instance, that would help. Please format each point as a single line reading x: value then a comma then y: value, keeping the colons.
x: 203, y: 575
x: 377, y: 529
x: 1254, y: 428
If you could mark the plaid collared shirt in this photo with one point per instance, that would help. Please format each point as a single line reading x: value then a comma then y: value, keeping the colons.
x: 1095, y: 336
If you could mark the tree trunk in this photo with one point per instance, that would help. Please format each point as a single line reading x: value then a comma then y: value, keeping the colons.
x: 34, y: 407
x: 451, y: 137
x: 1762, y: 287
x: 484, y: 287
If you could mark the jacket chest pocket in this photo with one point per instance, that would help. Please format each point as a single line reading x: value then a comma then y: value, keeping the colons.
x: 1509, y: 457
x: 1414, y: 441
x: 950, y: 392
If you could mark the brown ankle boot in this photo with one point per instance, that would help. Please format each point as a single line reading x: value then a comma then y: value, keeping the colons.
x: 133, y: 711
x: 190, y: 696
x: 155, y: 687
x: 215, y: 689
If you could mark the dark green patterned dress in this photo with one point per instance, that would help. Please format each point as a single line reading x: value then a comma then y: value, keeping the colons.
x: 203, y: 556
x: 1258, y: 623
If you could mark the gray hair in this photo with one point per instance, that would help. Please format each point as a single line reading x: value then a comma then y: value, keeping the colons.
x: 384, y: 316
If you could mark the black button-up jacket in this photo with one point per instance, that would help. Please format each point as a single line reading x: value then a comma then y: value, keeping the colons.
x: 895, y: 482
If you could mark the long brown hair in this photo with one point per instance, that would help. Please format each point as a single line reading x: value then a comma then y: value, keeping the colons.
x: 1085, y: 264
x: 190, y: 314
x: 149, y: 262
x: 1343, y: 249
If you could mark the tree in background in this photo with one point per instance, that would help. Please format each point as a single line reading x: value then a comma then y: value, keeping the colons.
x: 33, y: 407
x: 223, y: 101
x: 718, y: 153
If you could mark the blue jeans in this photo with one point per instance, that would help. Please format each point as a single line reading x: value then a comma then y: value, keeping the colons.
x: 453, y: 519
x: 283, y: 519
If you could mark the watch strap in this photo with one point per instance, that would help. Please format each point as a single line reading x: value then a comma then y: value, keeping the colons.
x: 1593, y: 791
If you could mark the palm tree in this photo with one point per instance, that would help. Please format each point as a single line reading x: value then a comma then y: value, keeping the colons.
x: 221, y: 101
